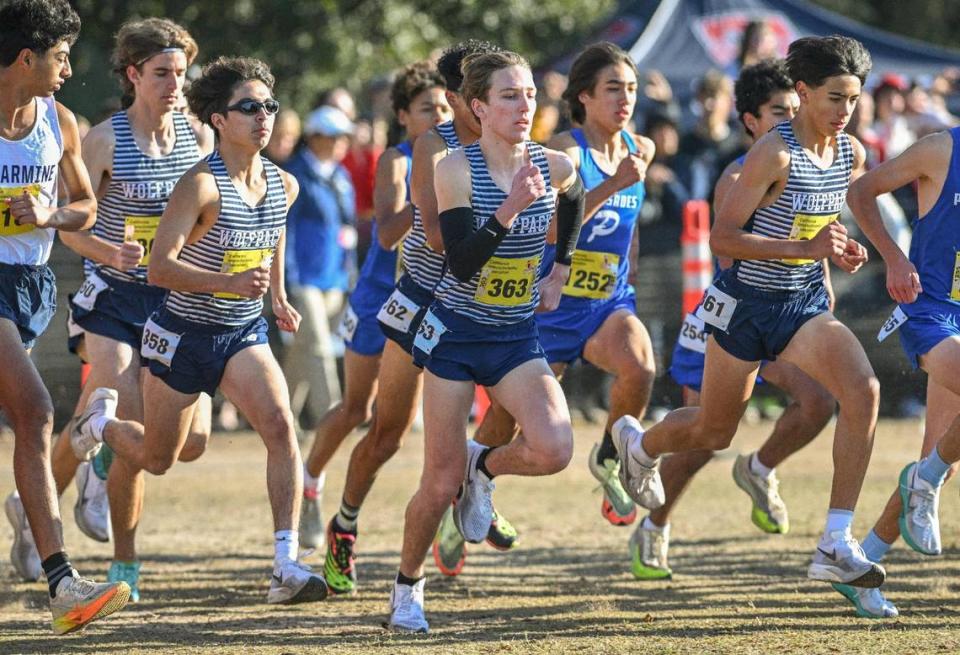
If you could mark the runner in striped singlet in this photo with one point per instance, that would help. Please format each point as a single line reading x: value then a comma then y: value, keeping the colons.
x: 39, y: 148
x: 218, y: 249
x: 778, y: 221
x: 419, y: 103
x: 134, y: 158
x: 480, y: 328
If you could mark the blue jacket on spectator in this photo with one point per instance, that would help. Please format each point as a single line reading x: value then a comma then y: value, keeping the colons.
x: 314, y: 257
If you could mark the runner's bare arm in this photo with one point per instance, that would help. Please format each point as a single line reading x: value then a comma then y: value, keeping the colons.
x: 288, y: 318
x: 394, y: 215
x: 428, y: 150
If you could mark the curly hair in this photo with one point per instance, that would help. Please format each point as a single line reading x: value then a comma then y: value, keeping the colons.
x: 37, y: 25
x: 813, y: 59
x: 210, y: 93
x: 411, y: 82
x: 138, y: 40
x: 450, y: 63
x: 757, y: 84
x: 584, y: 72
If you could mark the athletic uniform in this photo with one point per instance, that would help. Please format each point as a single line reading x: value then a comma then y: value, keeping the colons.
x: 935, y: 252
x: 359, y: 327
x: 191, y: 336
x: 114, y: 303
x: 28, y: 290
x: 482, y: 329
x: 758, y: 305
x: 597, y: 286
x: 401, y: 314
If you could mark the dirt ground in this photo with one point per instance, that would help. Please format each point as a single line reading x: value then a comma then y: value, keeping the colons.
x: 206, y: 546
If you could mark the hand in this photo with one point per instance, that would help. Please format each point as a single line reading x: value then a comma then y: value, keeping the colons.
x: 288, y: 318
x: 829, y: 242
x: 26, y: 210
x: 657, y: 87
x: 854, y: 256
x: 528, y: 185
x: 903, y: 281
x: 252, y: 283
x: 660, y: 174
x: 127, y: 256
x: 632, y: 169
x: 551, y: 288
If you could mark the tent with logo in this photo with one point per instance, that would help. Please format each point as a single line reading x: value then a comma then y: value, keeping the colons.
x: 684, y: 38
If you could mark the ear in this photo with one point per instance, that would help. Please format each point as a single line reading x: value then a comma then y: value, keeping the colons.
x: 26, y: 57
x: 402, y: 117
x: 803, y: 90
x: 132, y: 74
x: 752, y: 123
x: 476, y: 106
x: 451, y: 97
x: 218, y: 120
x: 583, y: 95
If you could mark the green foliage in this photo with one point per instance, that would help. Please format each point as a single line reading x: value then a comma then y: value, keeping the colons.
x: 932, y: 21
x: 314, y: 44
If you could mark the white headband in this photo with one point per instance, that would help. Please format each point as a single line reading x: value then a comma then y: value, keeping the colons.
x: 159, y: 52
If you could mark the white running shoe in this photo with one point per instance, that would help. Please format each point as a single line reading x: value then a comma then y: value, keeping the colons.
x: 406, y: 608
x: 842, y: 560
x: 80, y: 601
x: 769, y: 512
x: 919, y: 512
x: 641, y: 482
x: 85, y: 444
x: 312, y: 530
x: 648, y: 552
x: 293, y: 582
x: 870, y: 603
x: 23, y: 552
x: 474, y: 507
x: 92, y: 509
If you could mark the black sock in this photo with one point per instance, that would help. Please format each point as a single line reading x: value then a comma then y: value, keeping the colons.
x: 346, y: 518
x: 607, y: 450
x: 402, y: 579
x: 482, y: 462
x: 56, y: 568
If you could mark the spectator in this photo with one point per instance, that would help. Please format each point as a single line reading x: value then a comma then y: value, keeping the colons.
x: 320, y: 241
x: 666, y: 193
x: 713, y: 142
x: 890, y: 123
x: 758, y: 43
x: 283, y: 140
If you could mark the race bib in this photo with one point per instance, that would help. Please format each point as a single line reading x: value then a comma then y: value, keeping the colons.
x: 238, y: 261
x: 9, y: 225
x: 428, y: 334
x: 143, y: 230
x: 398, y: 312
x: 506, y: 282
x: 592, y: 275
x: 805, y: 227
x: 897, y: 318
x: 955, y: 287
x: 693, y: 334
x: 86, y: 296
x: 717, y: 308
x: 348, y: 324
x: 158, y: 344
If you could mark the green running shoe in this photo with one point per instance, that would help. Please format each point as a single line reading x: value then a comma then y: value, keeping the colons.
x: 769, y: 512
x: 617, y: 507
x: 339, y: 567
x: 870, y: 603
x: 128, y: 572
x: 501, y: 535
x: 648, y: 553
x: 449, y: 546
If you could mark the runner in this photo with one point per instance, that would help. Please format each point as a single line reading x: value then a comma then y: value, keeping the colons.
x: 39, y: 145
x: 219, y: 248
x: 480, y: 328
x: 780, y: 218
x: 926, y: 287
x: 765, y: 97
x: 400, y: 316
x: 419, y: 104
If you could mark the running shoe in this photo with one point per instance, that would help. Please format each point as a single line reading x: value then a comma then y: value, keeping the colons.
x: 23, y: 552
x: 617, y: 507
x: 474, y: 506
x: 919, y: 512
x: 339, y: 567
x: 501, y: 535
x: 769, y: 512
x: 641, y: 482
x: 79, y: 601
x: 311, y: 519
x: 128, y: 572
x: 449, y: 548
x: 293, y: 582
x: 406, y: 608
x: 648, y: 553
x: 870, y: 603
x: 102, y: 402
x: 842, y: 560
x: 92, y: 509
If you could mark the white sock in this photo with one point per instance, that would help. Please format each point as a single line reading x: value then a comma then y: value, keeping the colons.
x: 759, y: 468
x: 650, y: 525
x: 311, y: 483
x: 286, y: 543
x: 642, y: 454
x: 838, y: 520
x: 97, y: 424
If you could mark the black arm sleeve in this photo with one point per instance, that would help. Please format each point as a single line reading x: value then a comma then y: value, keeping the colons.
x: 468, y: 250
x: 570, y: 207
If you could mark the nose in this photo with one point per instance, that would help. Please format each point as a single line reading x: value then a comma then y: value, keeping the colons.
x: 67, y: 69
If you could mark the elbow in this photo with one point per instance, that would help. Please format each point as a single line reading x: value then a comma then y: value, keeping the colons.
x: 386, y: 240
x: 435, y: 241
x: 156, y: 275
x: 461, y: 272
x: 719, y: 245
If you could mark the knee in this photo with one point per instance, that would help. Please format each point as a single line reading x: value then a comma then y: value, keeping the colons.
x: 355, y: 413
x: 716, y: 437
x: 194, y: 447
x: 31, y: 420
x: 862, y: 398
x: 277, y: 428
x: 557, y: 453
x: 160, y: 463
x: 818, y: 406
x: 637, y: 373
x: 697, y: 459
x: 442, y: 485
x: 382, y: 444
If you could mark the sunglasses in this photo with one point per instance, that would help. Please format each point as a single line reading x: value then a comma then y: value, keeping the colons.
x: 251, y: 107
